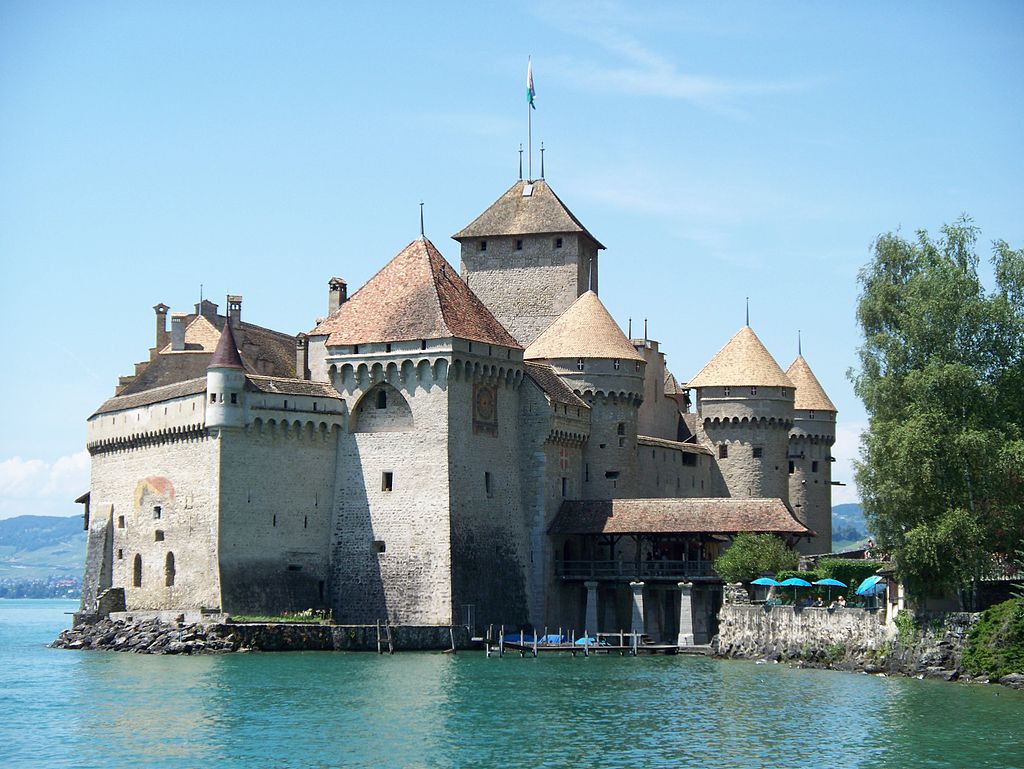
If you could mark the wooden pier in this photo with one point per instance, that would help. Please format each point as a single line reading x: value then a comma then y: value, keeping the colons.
x: 621, y: 643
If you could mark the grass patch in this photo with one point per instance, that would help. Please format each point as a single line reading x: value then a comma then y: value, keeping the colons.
x: 309, y: 616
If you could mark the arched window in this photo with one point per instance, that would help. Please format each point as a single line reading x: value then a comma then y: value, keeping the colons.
x: 169, y: 570
x: 137, y: 571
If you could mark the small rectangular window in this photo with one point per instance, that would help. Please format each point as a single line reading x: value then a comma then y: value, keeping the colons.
x: 286, y: 404
x: 158, y: 536
x: 565, y: 487
x: 273, y: 520
x: 689, y: 460
x: 636, y: 366
x: 387, y: 480
x: 379, y: 546
x: 726, y: 391
x: 488, y: 488
x: 120, y: 521
x: 792, y: 467
x: 305, y: 521
x: 234, y: 398
x: 558, y: 242
x: 753, y: 391
x: 158, y: 512
x: 723, y: 451
x: 586, y: 472
x: 616, y: 364
x: 621, y: 428
x: 810, y: 415
x: 814, y: 466
x: 758, y: 452
x: 387, y: 347
x: 294, y: 567
x: 579, y: 364
x: 519, y: 244
x: 611, y: 474
x: 423, y: 344
x: 382, y: 399
x: 213, y: 397
x: 120, y: 554
x: 483, y: 245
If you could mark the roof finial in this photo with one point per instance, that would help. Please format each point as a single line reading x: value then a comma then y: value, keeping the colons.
x: 520, y: 161
x: 422, y: 235
x: 630, y: 332
x: 542, y: 160
x: 200, y: 293
x: 645, y: 331
x: 799, y: 344
x: 748, y: 311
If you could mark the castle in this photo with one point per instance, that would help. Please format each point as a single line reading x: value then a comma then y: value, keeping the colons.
x: 474, y: 447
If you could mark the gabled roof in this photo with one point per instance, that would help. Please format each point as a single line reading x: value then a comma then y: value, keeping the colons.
x: 539, y: 212
x: 417, y: 295
x: 286, y: 386
x: 585, y: 330
x: 226, y: 355
x: 672, y: 516
x: 672, y: 386
x: 553, y: 386
x: 153, y: 395
x: 810, y: 395
x: 744, y: 361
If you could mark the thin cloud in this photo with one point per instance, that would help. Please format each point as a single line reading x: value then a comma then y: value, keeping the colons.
x: 38, y: 487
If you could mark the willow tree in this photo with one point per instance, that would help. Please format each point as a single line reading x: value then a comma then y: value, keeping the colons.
x: 941, y: 375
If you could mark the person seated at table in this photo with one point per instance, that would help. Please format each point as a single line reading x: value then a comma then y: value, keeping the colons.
x: 819, y: 603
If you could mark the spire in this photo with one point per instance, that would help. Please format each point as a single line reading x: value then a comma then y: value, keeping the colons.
x: 748, y: 313
x: 799, y: 345
x: 810, y: 395
x: 744, y: 361
x: 585, y: 330
x: 422, y: 235
x: 226, y: 355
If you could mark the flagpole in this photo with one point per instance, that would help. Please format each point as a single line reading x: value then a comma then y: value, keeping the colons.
x: 529, y: 141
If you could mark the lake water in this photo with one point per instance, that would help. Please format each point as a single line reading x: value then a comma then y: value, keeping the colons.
x: 321, y: 709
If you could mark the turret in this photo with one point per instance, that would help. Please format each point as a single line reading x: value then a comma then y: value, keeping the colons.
x: 744, y: 414
x: 225, y: 384
x: 589, y: 352
x: 810, y: 456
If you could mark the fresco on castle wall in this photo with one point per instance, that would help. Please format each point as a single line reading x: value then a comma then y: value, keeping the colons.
x: 485, y: 409
x: 152, y: 492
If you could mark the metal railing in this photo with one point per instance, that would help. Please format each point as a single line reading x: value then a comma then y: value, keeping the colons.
x: 590, y: 569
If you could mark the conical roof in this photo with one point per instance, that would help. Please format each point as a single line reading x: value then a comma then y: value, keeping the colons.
x: 226, y: 355
x: 585, y: 330
x: 743, y: 362
x: 417, y: 295
x: 810, y: 395
x: 527, y: 208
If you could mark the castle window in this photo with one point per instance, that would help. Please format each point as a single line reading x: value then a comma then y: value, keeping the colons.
x: 158, y: 512
x: 387, y: 480
x: 137, y: 571
x: 286, y: 404
x: 488, y: 488
x: 483, y: 245
x: 120, y: 521
x: 810, y: 415
x: 637, y: 367
x: 565, y: 487
x: 382, y: 399
x: 234, y: 398
x: 611, y: 474
x: 579, y: 364
x: 158, y: 535
x: 379, y: 546
x: 305, y: 521
x: 519, y: 244
x: 621, y: 429
x: 814, y: 466
x: 753, y: 391
x: 689, y: 460
x: 792, y: 467
x: 726, y: 391
x: 387, y: 347
x: 169, y: 570
x: 616, y: 364
x: 423, y: 344
x: 622, y: 443
x: 586, y: 473
x: 723, y: 451
x: 213, y: 397
x: 558, y: 242
x: 273, y: 520
x: 293, y: 567
x: 782, y: 390
x: 120, y: 554
x: 355, y: 349
x: 314, y: 405
x: 758, y: 452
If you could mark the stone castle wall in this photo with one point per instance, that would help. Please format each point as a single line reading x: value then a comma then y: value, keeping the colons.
x: 665, y: 472
x: 810, y: 482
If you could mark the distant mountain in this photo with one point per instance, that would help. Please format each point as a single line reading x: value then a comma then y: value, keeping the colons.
x: 36, y: 547
x: 848, y: 525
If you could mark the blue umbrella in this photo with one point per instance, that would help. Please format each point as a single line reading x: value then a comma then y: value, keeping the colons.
x: 765, y: 582
x: 794, y: 582
x: 830, y: 583
x: 873, y: 585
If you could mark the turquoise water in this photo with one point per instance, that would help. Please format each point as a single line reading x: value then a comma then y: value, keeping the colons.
x: 104, y: 709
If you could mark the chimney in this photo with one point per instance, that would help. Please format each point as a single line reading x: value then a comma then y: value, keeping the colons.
x: 208, y: 310
x: 178, y: 331
x: 161, y: 325
x: 337, y: 296
x: 301, y: 357
x: 234, y: 310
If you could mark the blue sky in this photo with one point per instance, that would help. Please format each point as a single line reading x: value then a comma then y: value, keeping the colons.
x: 718, y: 150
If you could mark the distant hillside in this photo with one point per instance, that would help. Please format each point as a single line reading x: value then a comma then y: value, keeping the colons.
x: 41, y: 546
x: 848, y: 525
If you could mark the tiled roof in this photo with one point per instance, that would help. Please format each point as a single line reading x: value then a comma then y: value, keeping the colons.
x: 226, y: 355
x: 285, y: 386
x: 166, y: 369
x: 689, y: 448
x: 417, y: 295
x: 743, y: 361
x: 540, y: 212
x: 553, y: 386
x: 810, y: 395
x: 585, y: 330
x: 672, y: 386
x: 154, y: 395
x: 668, y: 516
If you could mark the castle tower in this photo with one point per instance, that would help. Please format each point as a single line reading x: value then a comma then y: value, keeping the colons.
x: 589, y: 352
x: 225, y: 384
x: 528, y: 258
x: 744, y: 414
x: 810, y: 456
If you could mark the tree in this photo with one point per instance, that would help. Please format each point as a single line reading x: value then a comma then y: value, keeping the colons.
x: 942, y: 378
x: 751, y: 555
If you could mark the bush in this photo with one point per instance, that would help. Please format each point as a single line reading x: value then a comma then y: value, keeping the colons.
x: 995, y: 645
x: 847, y: 570
x: 751, y: 555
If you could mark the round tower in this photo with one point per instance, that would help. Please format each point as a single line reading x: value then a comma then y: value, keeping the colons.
x: 588, y: 351
x: 744, y: 415
x: 810, y: 456
x: 225, y: 383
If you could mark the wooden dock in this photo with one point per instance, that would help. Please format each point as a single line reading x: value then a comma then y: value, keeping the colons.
x: 621, y: 643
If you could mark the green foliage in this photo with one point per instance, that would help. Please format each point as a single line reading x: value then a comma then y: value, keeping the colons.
x: 847, y: 570
x: 942, y: 378
x: 995, y: 645
x: 311, y: 616
x: 751, y: 555
x: 785, y: 574
x: 906, y: 627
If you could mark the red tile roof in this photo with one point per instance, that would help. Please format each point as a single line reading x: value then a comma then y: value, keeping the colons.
x: 226, y: 355
x: 417, y: 295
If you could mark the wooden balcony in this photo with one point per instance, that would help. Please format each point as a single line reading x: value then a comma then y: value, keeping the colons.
x: 650, y: 571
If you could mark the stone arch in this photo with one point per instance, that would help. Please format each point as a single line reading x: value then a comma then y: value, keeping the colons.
x: 381, y: 409
x: 169, y: 570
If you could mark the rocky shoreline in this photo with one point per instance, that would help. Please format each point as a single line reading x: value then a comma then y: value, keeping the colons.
x: 150, y: 636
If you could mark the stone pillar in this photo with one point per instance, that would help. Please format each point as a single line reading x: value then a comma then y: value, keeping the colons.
x: 638, y: 607
x: 590, y: 620
x: 685, y: 614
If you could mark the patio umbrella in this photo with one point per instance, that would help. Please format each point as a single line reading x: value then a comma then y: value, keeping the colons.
x: 873, y: 585
x: 794, y: 582
x: 765, y: 582
x: 830, y: 583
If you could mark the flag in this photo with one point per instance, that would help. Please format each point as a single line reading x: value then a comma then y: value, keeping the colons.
x: 530, y: 91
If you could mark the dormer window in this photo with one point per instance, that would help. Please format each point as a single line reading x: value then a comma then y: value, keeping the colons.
x: 579, y: 364
x: 483, y: 245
